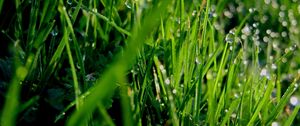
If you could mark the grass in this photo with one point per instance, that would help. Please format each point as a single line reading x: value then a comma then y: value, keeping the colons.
x: 126, y: 62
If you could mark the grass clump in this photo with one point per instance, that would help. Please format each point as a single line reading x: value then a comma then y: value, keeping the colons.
x: 157, y: 62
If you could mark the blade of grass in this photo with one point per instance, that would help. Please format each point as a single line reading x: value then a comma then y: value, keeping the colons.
x: 9, y: 113
x: 290, y: 120
x: 230, y: 111
x: 62, y: 10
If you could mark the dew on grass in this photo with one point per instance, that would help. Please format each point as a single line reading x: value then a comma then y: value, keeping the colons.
x: 181, y: 85
x: 236, y: 95
x: 167, y: 81
x: 54, y: 32
x: 265, y: 73
x: 226, y: 110
x: 294, y: 100
x: 255, y: 25
x: 246, y: 30
x: 294, y: 22
x: 252, y: 10
x: 229, y: 37
x: 274, y: 34
x: 233, y: 115
x: 93, y: 45
x: 235, y: 61
x: 228, y: 14
x: 194, y: 13
x: 284, y: 24
x: 296, y: 86
x: 275, y: 124
x: 283, y: 34
x: 174, y: 91
x: 197, y: 61
x: 266, y: 39
x: 268, y: 31
x: 239, y: 84
x: 271, y: 57
x: 95, y: 10
x: 273, y: 66
x: 245, y: 62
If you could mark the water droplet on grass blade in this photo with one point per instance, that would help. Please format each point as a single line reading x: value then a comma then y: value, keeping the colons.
x: 252, y: 10
x: 294, y: 100
x: 54, y: 32
x: 230, y: 37
x: 275, y: 124
x: 265, y: 73
x: 167, y: 81
x: 274, y: 67
x: 174, y: 91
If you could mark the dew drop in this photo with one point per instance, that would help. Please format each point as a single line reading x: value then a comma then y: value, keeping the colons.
x: 230, y: 37
x: 228, y: 14
x: 95, y: 10
x: 94, y: 45
x: 197, y: 60
x: 273, y: 66
x: 283, y: 34
x: 268, y: 31
x: 281, y: 14
x: 233, y: 115
x: 284, y: 23
x: 174, y: 91
x: 252, y: 10
x: 266, y: 39
x: 265, y: 73
x: 194, y: 13
x: 246, y: 30
x: 54, y: 32
x: 275, y: 124
x: 167, y: 81
x: 294, y: 100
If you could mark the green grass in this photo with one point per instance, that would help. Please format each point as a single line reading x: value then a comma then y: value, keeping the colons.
x: 157, y: 62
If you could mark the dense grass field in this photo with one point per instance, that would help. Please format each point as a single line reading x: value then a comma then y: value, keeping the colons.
x: 149, y: 62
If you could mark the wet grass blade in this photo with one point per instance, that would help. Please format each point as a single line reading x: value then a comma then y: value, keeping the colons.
x: 290, y: 120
